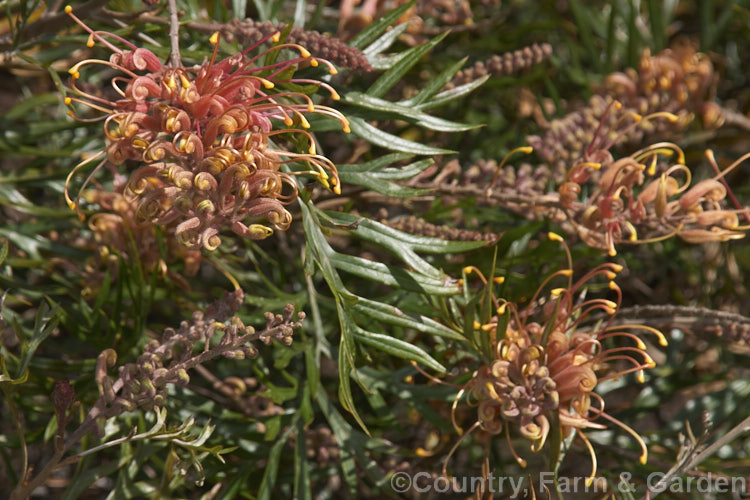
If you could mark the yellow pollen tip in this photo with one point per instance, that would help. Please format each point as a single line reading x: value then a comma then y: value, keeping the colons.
x: 567, y: 272
x: 487, y: 327
x: 501, y: 309
x: 185, y: 82
x: 67, y: 101
x: 68, y: 9
x: 641, y: 345
x: 612, y: 252
x: 460, y: 282
x: 610, y: 275
x: 304, y: 52
x: 613, y: 286
x: 499, y: 280
x: 589, y: 481
x: 333, y: 71
x: 288, y: 121
x: 643, y: 459
x: 311, y: 108
x: 637, y: 117
x: 617, y: 104
x: 556, y: 292
x: 90, y: 42
x: 672, y: 117
x: 617, y: 267
x: 276, y: 37
x: 346, y: 128
x: 477, y: 325
x: 303, y: 121
x: 609, y: 310
x: 641, y: 378
x: 312, y: 149
x: 214, y: 38
x: 554, y: 236
x: 468, y: 269
x: 421, y: 452
x: 610, y: 304
x: 662, y: 339
x: 314, y: 63
x: 337, y: 189
x: 526, y: 149
x: 335, y: 95
x: 266, y: 83
x: 72, y: 205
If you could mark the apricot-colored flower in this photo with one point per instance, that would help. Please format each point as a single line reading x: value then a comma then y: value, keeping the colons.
x: 201, y: 138
x: 546, y: 366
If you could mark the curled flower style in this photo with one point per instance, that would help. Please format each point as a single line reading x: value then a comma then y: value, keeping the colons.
x: 543, y: 365
x: 633, y: 201
x: 117, y: 233
x: 204, y: 138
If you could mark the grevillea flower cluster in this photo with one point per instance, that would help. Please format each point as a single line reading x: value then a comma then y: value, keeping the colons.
x: 634, y: 201
x: 679, y: 81
x: 202, y: 139
x: 545, y: 365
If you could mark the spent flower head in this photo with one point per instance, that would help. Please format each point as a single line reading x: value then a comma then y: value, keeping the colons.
x: 202, y: 139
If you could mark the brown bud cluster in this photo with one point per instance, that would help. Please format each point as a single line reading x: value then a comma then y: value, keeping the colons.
x: 420, y: 227
x: 504, y: 64
x: 248, y: 32
x: 142, y: 384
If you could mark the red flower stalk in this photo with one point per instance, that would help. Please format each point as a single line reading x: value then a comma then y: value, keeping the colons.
x: 203, y: 136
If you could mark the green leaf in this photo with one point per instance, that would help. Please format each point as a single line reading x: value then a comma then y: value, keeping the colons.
x: 399, y: 348
x: 435, y: 84
x: 43, y: 326
x: 3, y: 251
x: 405, y: 112
x: 375, y: 165
x: 380, y: 233
x: 379, y: 186
x: 395, y: 316
x: 385, y: 41
x: 390, y: 141
x: 447, y: 96
x: 301, y: 467
x: 369, y: 34
x: 272, y: 465
x: 393, y: 75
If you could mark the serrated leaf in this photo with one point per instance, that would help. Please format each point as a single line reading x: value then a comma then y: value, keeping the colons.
x: 393, y: 75
x: 369, y: 34
x: 390, y: 141
x: 405, y: 112
x: 399, y: 348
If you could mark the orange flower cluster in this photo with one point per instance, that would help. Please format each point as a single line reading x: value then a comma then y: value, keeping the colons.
x: 629, y: 199
x: 202, y: 137
x: 546, y: 366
